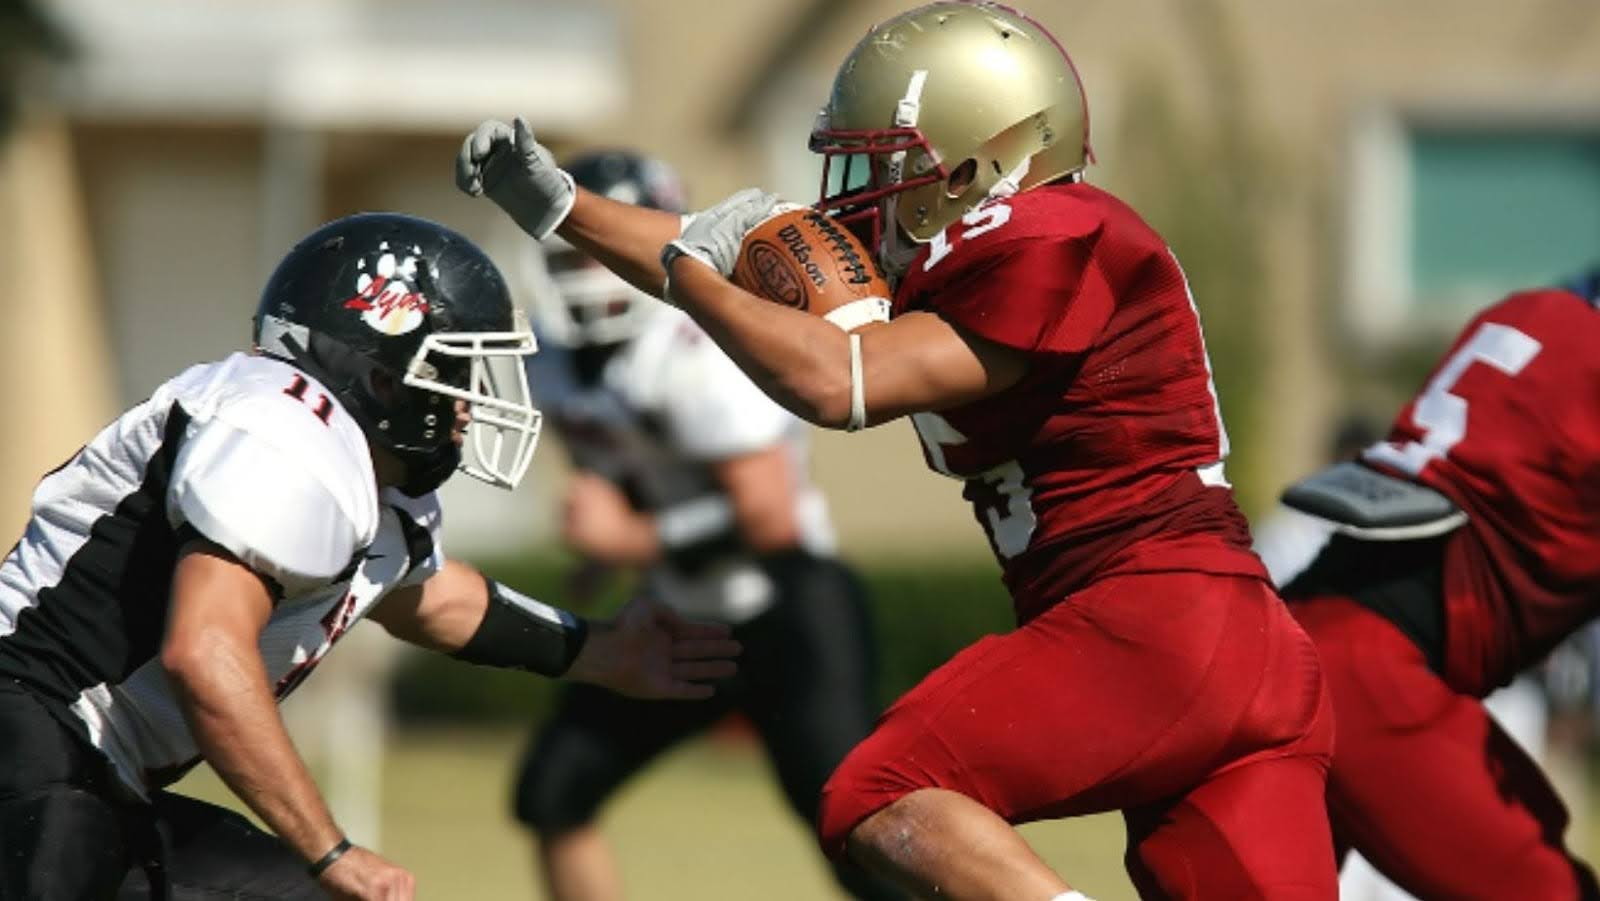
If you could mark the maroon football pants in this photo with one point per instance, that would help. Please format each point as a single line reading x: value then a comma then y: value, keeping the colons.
x: 1192, y: 702
x: 1425, y: 784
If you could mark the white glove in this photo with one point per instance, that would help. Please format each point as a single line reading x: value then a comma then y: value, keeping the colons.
x: 713, y: 236
x: 517, y: 173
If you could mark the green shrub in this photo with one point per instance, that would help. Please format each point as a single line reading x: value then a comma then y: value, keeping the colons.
x: 923, y: 610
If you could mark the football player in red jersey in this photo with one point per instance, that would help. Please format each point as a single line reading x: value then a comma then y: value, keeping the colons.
x: 1045, y: 345
x: 1468, y: 548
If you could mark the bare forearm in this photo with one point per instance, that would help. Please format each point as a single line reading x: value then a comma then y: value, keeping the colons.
x: 626, y: 238
x: 637, y: 544
x: 442, y: 614
x: 461, y: 613
x: 236, y: 725
x: 761, y: 489
x: 800, y: 361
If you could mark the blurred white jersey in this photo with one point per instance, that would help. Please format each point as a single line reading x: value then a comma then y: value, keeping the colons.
x: 1287, y: 540
x: 249, y: 453
x: 661, y: 411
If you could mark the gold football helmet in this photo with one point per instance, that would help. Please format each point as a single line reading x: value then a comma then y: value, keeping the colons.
x: 974, y: 90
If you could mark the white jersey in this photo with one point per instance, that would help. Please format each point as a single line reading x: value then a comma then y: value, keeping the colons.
x: 664, y: 409
x: 247, y: 452
x: 1287, y: 541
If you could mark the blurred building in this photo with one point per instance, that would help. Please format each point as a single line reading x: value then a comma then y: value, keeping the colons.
x: 1337, y: 177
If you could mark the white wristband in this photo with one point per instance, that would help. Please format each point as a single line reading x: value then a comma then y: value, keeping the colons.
x: 693, y: 521
x: 563, y: 209
x: 857, y: 313
x: 671, y: 252
x: 858, y: 388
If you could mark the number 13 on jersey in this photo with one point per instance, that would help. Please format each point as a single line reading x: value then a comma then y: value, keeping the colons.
x: 1001, y: 494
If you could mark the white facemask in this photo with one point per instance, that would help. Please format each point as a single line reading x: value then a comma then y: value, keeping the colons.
x: 505, y: 425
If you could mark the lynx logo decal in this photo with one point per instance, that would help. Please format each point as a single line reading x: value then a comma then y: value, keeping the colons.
x: 387, y: 297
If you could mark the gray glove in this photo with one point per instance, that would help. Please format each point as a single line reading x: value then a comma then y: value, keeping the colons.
x: 713, y: 236
x: 517, y: 173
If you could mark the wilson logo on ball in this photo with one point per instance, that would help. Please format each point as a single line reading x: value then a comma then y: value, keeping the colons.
x: 801, y: 259
x: 801, y: 251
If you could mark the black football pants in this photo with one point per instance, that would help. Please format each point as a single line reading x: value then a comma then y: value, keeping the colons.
x: 805, y: 682
x: 66, y: 833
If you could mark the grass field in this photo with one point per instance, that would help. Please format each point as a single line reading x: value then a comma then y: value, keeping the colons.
x: 706, y: 823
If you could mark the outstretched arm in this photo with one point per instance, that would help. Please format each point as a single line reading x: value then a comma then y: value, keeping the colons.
x: 210, y: 657
x: 627, y: 239
x: 756, y: 503
x: 646, y: 651
x: 917, y: 362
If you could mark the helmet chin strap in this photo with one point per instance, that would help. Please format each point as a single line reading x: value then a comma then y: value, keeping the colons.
x: 1011, y: 182
x: 414, y: 474
x: 425, y: 473
x: 894, y: 251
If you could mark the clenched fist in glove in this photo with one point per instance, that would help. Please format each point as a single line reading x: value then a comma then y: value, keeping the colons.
x: 506, y: 164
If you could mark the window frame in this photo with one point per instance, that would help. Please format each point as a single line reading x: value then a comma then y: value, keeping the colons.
x: 1379, y: 308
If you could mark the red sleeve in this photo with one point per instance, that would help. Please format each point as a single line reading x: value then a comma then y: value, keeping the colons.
x: 1040, y: 295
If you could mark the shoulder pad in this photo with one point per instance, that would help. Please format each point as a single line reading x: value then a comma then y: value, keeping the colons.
x: 1368, y: 504
x: 290, y: 503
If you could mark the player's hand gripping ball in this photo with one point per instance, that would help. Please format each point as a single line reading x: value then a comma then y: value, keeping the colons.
x: 800, y: 258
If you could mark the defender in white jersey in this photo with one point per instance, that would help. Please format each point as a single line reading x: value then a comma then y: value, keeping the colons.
x: 193, y: 562
x: 691, y: 478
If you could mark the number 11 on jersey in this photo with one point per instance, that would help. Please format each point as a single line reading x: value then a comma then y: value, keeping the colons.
x: 324, y: 408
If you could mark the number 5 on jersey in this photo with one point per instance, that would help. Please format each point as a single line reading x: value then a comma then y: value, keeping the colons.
x: 1440, y: 413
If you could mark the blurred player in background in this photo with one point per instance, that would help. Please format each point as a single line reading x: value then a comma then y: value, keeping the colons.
x: 1288, y: 540
x: 689, y: 476
x: 192, y: 563
x: 1046, y: 347
x: 1468, y: 548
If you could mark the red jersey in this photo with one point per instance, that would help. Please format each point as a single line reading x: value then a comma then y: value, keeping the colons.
x: 1106, y: 458
x: 1508, y: 427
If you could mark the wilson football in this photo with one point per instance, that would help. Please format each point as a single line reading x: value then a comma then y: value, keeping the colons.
x: 800, y: 258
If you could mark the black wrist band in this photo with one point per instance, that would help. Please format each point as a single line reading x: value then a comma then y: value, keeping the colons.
x: 327, y: 859
x: 519, y: 632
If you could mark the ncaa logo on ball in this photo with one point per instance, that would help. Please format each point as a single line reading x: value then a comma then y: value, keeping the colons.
x: 779, y: 281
